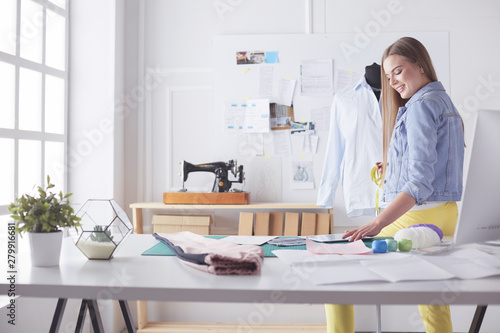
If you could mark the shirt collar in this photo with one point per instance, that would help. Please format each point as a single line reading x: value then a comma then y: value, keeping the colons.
x: 433, y: 86
x: 362, y: 83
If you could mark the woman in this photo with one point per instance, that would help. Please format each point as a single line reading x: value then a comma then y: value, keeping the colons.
x: 422, y: 167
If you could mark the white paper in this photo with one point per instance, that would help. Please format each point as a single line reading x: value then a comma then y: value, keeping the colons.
x: 462, y: 268
x: 266, y: 82
x: 304, y: 257
x: 282, y: 144
x: 248, y: 240
x: 310, y: 144
x: 406, y: 269
x: 321, y: 118
x: 257, y: 116
x: 287, y: 89
x: 391, y: 266
x: 316, y: 77
x: 340, y: 272
x: 251, y: 144
x: 345, y: 78
x: 234, y: 116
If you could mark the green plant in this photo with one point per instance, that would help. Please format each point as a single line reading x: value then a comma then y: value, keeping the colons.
x: 45, y: 213
x: 101, y: 235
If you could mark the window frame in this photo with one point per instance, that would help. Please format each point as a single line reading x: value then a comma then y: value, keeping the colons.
x: 18, y: 62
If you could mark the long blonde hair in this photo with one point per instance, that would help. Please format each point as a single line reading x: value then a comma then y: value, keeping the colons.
x: 412, y: 51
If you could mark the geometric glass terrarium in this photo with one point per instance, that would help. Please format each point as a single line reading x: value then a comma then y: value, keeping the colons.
x: 104, y: 226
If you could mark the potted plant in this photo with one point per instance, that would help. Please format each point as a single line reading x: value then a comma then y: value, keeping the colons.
x: 43, y: 218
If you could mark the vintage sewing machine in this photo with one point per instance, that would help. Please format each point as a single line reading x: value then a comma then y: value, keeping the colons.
x: 220, y: 169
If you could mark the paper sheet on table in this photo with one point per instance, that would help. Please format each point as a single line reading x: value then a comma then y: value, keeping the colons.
x: 248, y: 240
x: 406, y: 269
x: 357, y: 247
x: 467, y: 263
x: 346, y: 271
x: 463, y: 268
x: 291, y: 257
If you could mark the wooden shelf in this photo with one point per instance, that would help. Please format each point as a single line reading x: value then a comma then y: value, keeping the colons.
x: 173, y: 327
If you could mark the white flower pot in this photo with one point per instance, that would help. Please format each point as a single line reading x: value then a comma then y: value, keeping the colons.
x: 45, y: 248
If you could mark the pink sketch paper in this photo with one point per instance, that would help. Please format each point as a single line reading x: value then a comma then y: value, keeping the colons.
x: 357, y: 247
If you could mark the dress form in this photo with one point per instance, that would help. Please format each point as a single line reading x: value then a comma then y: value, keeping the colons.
x: 372, y: 76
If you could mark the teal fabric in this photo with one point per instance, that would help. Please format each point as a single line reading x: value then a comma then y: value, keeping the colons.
x: 161, y: 249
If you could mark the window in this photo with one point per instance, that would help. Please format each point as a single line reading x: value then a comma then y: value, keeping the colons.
x: 33, y: 97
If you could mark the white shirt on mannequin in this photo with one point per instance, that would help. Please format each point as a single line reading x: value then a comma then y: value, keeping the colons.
x: 354, y: 145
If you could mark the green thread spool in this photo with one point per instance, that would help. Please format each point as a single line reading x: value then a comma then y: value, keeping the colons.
x: 392, y: 245
x: 405, y: 245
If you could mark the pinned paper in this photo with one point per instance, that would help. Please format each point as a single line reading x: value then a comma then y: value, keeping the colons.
x: 357, y: 247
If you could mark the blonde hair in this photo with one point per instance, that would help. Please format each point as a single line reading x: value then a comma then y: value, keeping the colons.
x: 414, y: 52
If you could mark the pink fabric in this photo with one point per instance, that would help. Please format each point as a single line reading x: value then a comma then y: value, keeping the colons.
x: 223, y: 258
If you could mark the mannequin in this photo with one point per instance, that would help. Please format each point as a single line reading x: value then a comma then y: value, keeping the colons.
x: 372, y: 76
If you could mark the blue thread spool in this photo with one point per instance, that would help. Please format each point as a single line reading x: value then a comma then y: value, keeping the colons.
x: 392, y: 245
x: 379, y: 246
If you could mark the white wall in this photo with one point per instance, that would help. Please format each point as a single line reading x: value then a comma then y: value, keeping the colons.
x: 168, y: 48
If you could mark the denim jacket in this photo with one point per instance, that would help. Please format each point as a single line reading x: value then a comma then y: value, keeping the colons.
x: 426, y: 153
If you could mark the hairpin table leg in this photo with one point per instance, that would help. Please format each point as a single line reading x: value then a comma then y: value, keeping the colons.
x: 127, y: 316
x: 478, y: 319
x: 56, y: 319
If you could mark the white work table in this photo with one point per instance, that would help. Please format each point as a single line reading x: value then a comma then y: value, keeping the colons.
x: 131, y: 276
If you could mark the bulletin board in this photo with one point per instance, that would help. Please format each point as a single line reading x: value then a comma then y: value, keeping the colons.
x: 268, y: 175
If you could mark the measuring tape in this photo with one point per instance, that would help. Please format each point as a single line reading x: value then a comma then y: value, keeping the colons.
x: 377, y: 179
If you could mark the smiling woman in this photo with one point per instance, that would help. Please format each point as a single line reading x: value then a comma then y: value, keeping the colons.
x: 423, y: 163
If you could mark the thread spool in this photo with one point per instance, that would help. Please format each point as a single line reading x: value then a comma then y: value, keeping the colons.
x: 379, y: 246
x: 392, y: 245
x: 405, y: 245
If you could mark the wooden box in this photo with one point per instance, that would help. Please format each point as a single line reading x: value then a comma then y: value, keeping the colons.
x: 196, y: 198
x: 199, y: 224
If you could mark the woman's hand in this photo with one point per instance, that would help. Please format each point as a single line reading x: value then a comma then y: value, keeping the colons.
x: 371, y: 229
x: 401, y: 204
x: 380, y: 167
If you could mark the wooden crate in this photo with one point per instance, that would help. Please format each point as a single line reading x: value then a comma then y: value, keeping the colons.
x: 199, y: 224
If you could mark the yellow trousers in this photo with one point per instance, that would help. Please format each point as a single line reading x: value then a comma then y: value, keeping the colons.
x: 436, y: 318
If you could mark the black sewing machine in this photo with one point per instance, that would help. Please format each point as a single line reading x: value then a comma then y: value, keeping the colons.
x: 221, y: 171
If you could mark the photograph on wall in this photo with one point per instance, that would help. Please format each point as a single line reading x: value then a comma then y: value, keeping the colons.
x: 302, y: 127
x: 250, y: 57
x: 281, y: 116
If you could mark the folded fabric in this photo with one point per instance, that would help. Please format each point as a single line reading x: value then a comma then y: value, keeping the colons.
x: 212, y: 255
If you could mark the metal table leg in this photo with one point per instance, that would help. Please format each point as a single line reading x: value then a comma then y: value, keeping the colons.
x: 127, y: 316
x: 95, y: 315
x: 56, y: 319
x: 478, y: 319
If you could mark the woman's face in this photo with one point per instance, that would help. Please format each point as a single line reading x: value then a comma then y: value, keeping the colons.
x: 405, y: 77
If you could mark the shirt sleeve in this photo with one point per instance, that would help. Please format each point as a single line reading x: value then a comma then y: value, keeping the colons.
x: 422, y: 126
x: 333, y: 159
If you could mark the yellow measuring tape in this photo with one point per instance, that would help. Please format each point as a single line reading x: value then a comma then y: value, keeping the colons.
x: 377, y: 179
